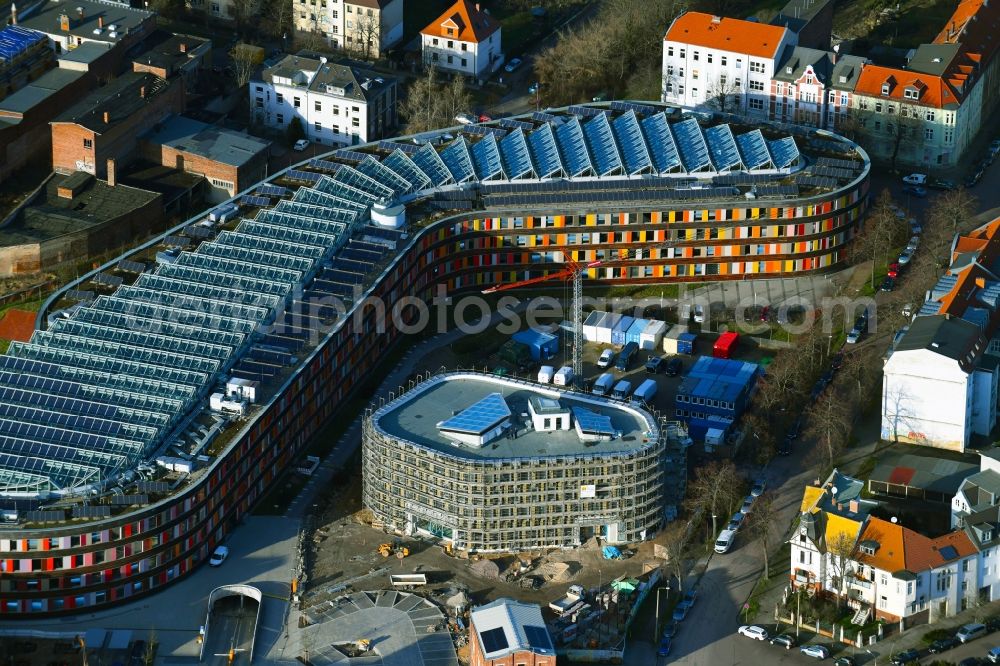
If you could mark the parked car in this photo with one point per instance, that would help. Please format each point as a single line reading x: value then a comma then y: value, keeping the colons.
x: 940, y: 184
x: 915, y: 227
x: 993, y: 656
x: 219, y: 556
x: 626, y: 355
x: 674, y: 366
x: 915, y: 190
x: 815, y: 651
x: 736, y: 522
x: 753, y: 631
x: 905, y: 258
x: 937, y: 647
x: 689, y: 598
x: 512, y: 65
x: 758, y: 488
x: 905, y: 657
x: 680, y: 612
x: 669, y: 630
x: 784, y: 640
x: 747, y: 504
x: 853, y: 336
x: 970, y: 632
x: 888, y: 284
x: 836, y: 361
x: 301, y: 145
x: 664, y: 648
x: 699, y: 314
x: 465, y: 119
x: 907, y: 310
x: 655, y: 364
x: 843, y: 661
x: 915, y: 179
x: 913, y: 244
x: 893, y: 270
x: 724, y: 543
x: 606, y: 359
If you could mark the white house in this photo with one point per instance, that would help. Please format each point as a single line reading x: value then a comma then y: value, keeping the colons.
x: 465, y: 40
x: 724, y: 64
x: 336, y: 104
x: 979, y: 491
x: 365, y: 27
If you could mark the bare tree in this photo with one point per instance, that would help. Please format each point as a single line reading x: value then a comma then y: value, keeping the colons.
x: 716, y: 487
x: 883, y: 231
x: 278, y: 17
x: 242, y: 10
x: 830, y: 420
x: 904, y: 129
x: 724, y: 94
x: 368, y: 35
x: 861, y: 366
x: 839, y: 551
x: 676, y: 541
x: 783, y: 381
x: 759, y: 523
x: 429, y: 105
x: 245, y: 60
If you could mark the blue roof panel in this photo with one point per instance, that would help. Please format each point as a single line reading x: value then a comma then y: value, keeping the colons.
x: 573, y: 148
x: 691, y: 145
x: 635, y: 153
x: 479, y: 417
x: 660, y: 140
x: 603, y: 148
x: 753, y: 148
x: 722, y: 148
x: 545, y: 151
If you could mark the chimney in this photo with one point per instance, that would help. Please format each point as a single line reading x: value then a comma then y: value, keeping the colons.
x: 184, y: 47
x: 477, y: 8
x: 79, y: 13
x: 100, y: 22
x: 112, y: 175
x: 981, y: 282
x: 64, y: 22
x: 107, y: 118
x: 13, y: 14
x: 142, y: 92
x: 855, y: 506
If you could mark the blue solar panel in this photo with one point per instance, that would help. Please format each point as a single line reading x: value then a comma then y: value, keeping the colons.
x: 486, y: 158
x: 325, y: 165
x: 479, y: 417
x: 691, y: 144
x: 640, y: 109
x: 661, y: 144
x: 428, y: 161
x: 573, y: 148
x: 511, y: 123
x: 304, y: 176
x: 634, y: 150
x: 784, y: 151
x: 543, y: 117
x: 543, y: 148
x: 404, y: 166
x: 591, y: 422
x: 15, y: 40
x: 351, y: 155
x: 269, y: 190
x: 456, y: 157
x: 585, y: 111
x: 251, y: 200
x: 538, y: 637
x: 516, y: 159
x: 494, y: 640
x: 722, y: 148
x: 754, y: 150
x: 948, y: 553
x: 375, y: 170
x: 602, y: 145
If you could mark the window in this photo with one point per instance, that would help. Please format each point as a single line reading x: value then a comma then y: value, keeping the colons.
x: 929, y: 116
x: 755, y: 103
x: 694, y: 92
x: 88, y: 144
x: 279, y: 98
x: 281, y: 119
x: 259, y: 103
x: 911, y: 93
x: 722, y: 80
x: 929, y: 134
x: 739, y: 63
x: 756, y: 66
x: 722, y: 61
x: 465, y: 47
x: 949, y: 135
x: 708, y: 57
x: 318, y: 105
x: 434, y: 41
x: 682, y: 53
x: 885, y: 88
x: 296, y: 102
x: 670, y: 70
x: 670, y: 51
x: 878, y: 107
x: 355, y: 122
x: 843, y: 99
x: 670, y: 87
x: 260, y: 88
x: 756, y: 85
x: 465, y: 62
x: 694, y: 55
x: 318, y: 126
x: 694, y: 74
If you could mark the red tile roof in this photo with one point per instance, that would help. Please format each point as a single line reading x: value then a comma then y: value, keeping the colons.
x: 17, y: 325
x: 726, y: 34
x: 900, y: 548
x: 935, y: 91
x: 467, y: 22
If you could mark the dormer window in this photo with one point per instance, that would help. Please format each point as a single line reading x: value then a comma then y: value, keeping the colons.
x: 886, y: 88
x: 868, y: 547
x: 843, y: 79
x: 788, y: 70
x: 911, y: 93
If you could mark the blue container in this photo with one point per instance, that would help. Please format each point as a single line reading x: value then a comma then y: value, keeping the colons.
x: 542, y: 345
x: 685, y: 343
x: 620, y: 329
x: 634, y: 333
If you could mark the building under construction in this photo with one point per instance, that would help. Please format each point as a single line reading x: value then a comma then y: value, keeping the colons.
x: 489, y: 463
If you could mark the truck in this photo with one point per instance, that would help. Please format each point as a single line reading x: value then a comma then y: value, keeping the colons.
x: 622, y: 389
x: 603, y: 384
x: 645, y: 392
x: 574, y: 596
x: 564, y: 377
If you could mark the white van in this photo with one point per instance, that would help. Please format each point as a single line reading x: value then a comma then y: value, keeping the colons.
x: 725, y: 541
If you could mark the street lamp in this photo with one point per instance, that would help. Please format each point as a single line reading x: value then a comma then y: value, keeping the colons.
x: 874, y: 656
x: 656, y: 628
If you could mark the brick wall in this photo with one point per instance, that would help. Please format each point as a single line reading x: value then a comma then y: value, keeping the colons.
x: 70, y: 153
x: 241, y: 177
x: 516, y: 659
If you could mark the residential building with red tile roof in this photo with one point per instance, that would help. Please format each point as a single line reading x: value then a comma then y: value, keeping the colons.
x: 710, y: 62
x: 942, y: 376
x: 364, y: 28
x: 928, y: 113
x: 465, y: 39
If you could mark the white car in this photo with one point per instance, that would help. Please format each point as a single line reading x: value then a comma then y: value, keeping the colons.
x: 815, y: 651
x: 753, y: 631
x: 699, y: 314
x: 915, y: 179
x: 219, y: 556
x: 607, y: 357
x: 853, y: 336
x: 913, y: 244
x: 512, y: 64
x: 465, y: 119
x: 301, y: 145
x: 725, y: 541
x: 915, y: 227
x: 747, y: 504
x: 905, y: 258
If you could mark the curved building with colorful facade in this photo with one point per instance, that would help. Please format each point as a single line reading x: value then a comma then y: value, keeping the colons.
x: 165, y: 392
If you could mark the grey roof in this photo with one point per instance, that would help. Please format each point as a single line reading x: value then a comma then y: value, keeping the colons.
x: 846, y: 71
x: 124, y: 18
x: 933, y: 59
x: 513, y: 627
x: 215, y: 143
x: 797, y: 13
x: 120, y: 98
x: 827, y: 66
x: 949, y: 337
x: 167, y: 51
x: 925, y: 472
x: 414, y: 418
x: 85, y: 53
x: 983, y: 527
x: 38, y: 90
x: 327, y: 77
x: 981, y: 490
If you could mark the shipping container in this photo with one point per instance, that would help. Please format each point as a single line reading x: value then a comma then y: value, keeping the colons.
x: 620, y: 329
x: 650, y: 338
x: 686, y: 343
x: 622, y: 389
x: 725, y: 346
x: 564, y: 377
x: 605, y: 327
x: 542, y: 345
x: 591, y: 323
x: 645, y: 392
x: 545, y: 374
x: 603, y: 384
x: 634, y: 332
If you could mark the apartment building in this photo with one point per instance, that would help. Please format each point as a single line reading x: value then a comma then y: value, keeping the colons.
x: 813, y: 87
x: 940, y: 382
x: 465, y: 40
x: 721, y: 64
x: 337, y: 104
x: 366, y: 28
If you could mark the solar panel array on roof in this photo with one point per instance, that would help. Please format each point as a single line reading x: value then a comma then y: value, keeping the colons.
x: 833, y: 172
x: 776, y: 190
x: 545, y: 152
x: 635, y: 153
x: 511, y: 123
x: 325, y: 165
x: 585, y: 111
x: 494, y: 640
x: 198, y: 231
x: 603, y: 147
x: 251, y: 200
x: 551, y: 118
x: 516, y: 156
x: 592, y: 423
x: 176, y: 241
x: 15, y: 40
x: 691, y: 145
x: 399, y: 162
x: 816, y: 181
x: 351, y: 155
x: 80, y: 295
x: 663, y: 149
x: 722, y: 148
x: 107, y: 280
x: 640, y: 109
x: 838, y: 163
x: 784, y: 152
x: 382, y: 174
x: 131, y: 266
x: 458, y: 160
x: 754, y: 150
x: 573, y: 148
x: 486, y: 159
x: 304, y: 176
x: 428, y: 160
x: 270, y: 190
x: 479, y: 417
